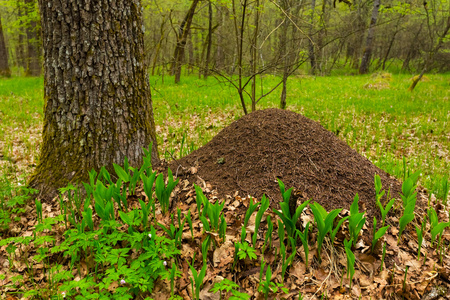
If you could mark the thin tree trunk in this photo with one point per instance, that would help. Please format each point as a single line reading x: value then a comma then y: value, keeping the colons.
x: 98, y: 107
x: 158, y: 46
x: 365, y: 61
x: 21, y: 62
x: 254, y: 54
x: 312, y: 56
x: 4, y: 67
x: 33, y: 58
x: 209, y: 38
x: 182, y: 36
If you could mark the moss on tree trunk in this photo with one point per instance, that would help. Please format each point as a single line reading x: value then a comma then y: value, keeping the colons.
x: 98, y: 107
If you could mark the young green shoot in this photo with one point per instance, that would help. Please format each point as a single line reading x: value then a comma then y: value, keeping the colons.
x: 163, y: 192
x: 350, y: 260
x: 197, y: 280
x: 304, y: 238
x: 324, y: 223
x: 259, y: 215
x: 356, y: 220
x: 409, y: 202
x: 377, y: 234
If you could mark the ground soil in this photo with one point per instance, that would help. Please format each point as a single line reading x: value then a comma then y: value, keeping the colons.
x: 250, y: 154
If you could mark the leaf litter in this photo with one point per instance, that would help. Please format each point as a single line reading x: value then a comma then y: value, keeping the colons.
x: 426, y: 278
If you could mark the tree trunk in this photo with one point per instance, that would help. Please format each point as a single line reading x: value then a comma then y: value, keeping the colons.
x: 365, y: 61
x: 182, y: 36
x: 4, y: 67
x: 312, y: 56
x: 208, y: 50
x: 98, y: 107
x: 33, y: 64
x: 20, y: 52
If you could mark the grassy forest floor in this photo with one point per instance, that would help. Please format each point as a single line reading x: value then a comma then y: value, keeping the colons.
x: 399, y: 131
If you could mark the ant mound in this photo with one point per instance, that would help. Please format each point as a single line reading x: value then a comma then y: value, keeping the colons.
x: 250, y: 154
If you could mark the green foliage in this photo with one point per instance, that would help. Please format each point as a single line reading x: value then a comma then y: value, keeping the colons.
x: 229, y: 286
x: 420, y: 230
x: 289, y: 221
x: 409, y: 202
x: 350, y: 260
x: 267, y: 285
x: 356, y: 220
x: 245, y: 250
x: 378, y: 195
x: 163, y: 192
x: 304, y: 238
x: 377, y: 234
x: 197, y: 280
x: 259, y: 215
x: 324, y: 221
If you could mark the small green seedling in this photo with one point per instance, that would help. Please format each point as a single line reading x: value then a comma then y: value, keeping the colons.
x: 377, y: 234
x: 229, y: 286
x: 259, y: 215
x: 324, y: 223
x: 197, y: 280
x: 420, y: 230
x: 409, y: 202
x: 163, y: 192
x: 384, y: 210
x: 251, y: 208
x: 350, y: 260
x: 38, y: 209
x: 268, y: 285
x: 268, y: 237
x: 201, y: 199
x: 356, y: 220
x: 304, y: 238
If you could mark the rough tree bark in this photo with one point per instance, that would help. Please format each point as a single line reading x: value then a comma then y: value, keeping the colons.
x: 4, y: 67
x: 98, y: 107
x: 365, y: 61
x: 33, y: 63
x: 312, y: 55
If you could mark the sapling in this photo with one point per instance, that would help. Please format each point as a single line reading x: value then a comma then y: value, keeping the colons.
x: 259, y: 215
x: 356, y: 220
x: 324, y: 223
x: 377, y: 234
x: 163, y: 192
x: 350, y: 260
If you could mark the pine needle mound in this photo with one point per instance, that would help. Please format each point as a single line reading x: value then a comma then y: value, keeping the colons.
x: 250, y: 154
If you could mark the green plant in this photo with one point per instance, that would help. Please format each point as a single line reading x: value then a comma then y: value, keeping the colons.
x: 420, y: 230
x: 356, y: 220
x: 268, y: 236
x: 268, y: 285
x: 304, y: 238
x: 409, y: 202
x: 378, y: 195
x: 350, y: 260
x: 229, y: 286
x: 259, y: 215
x: 251, y: 208
x: 148, y: 190
x: 383, y: 256
x: 377, y: 234
x: 245, y: 250
x: 163, y: 192
x: 201, y: 200
x: 173, y: 232
x: 289, y: 221
x: 197, y: 280
x: 324, y: 223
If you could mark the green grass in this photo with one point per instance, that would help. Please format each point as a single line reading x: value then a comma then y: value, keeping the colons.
x: 383, y: 121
